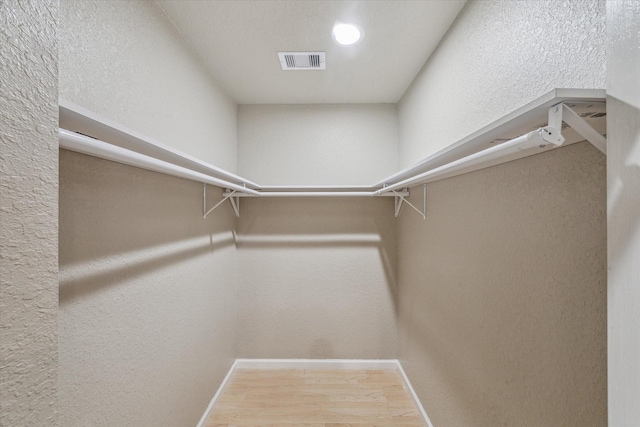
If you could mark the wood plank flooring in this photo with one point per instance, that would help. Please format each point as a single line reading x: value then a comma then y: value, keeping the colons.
x: 314, y: 398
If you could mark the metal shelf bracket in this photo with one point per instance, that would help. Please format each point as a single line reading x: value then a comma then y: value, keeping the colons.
x: 227, y: 194
x: 561, y: 113
x: 400, y: 198
x: 235, y: 204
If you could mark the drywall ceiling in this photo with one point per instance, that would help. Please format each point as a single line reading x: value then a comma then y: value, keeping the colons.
x: 239, y: 42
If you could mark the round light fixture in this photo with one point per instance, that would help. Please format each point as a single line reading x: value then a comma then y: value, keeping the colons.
x: 346, y: 34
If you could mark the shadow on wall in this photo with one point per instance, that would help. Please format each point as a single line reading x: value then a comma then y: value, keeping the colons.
x: 115, y: 227
x: 107, y: 209
x: 317, y: 278
x: 503, y: 293
x: 148, y: 302
x: 82, y: 280
x: 324, y: 224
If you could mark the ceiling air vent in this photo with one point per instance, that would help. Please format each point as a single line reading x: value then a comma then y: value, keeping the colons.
x: 302, y: 60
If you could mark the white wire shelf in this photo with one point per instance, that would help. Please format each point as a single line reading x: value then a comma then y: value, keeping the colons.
x: 531, y: 129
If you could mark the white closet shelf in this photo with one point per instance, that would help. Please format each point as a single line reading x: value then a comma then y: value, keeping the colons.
x: 562, y: 116
x: 588, y: 103
x: 78, y: 119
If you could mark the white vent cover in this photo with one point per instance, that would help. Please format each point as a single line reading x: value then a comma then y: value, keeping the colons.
x: 302, y: 60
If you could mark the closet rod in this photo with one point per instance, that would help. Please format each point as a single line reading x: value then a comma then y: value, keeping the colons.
x: 315, y: 193
x: 317, y: 188
x: 85, y: 122
x: 263, y: 193
x: 93, y: 147
x: 537, y: 138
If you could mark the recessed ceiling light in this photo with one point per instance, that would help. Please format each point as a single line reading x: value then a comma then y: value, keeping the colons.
x: 347, y: 34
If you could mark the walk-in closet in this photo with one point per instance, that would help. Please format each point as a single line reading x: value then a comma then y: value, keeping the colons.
x: 320, y: 213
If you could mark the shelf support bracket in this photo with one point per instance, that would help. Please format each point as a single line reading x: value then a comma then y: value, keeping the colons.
x: 561, y: 113
x: 400, y: 199
x: 235, y: 202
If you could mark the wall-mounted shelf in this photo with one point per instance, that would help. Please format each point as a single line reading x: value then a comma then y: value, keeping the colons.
x: 78, y: 119
x: 588, y: 102
x: 529, y: 130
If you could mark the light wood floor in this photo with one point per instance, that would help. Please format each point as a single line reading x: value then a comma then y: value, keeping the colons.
x: 318, y: 398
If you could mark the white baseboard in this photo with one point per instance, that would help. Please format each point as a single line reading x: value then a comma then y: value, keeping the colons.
x: 384, y: 364
x: 317, y: 364
x: 207, y: 412
x: 413, y: 394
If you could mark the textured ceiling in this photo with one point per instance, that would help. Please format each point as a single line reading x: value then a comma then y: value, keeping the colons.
x: 239, y: 40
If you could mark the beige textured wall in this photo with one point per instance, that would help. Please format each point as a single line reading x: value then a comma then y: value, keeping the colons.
x: 317, y: 278
x: 148, y: 300
x: 503, y: 294
x: 124, y: 60
x: 28, y: 213
x: 623, y: 207
x: 346, y: 144
x: 497, y: 56
x: 502, y: 288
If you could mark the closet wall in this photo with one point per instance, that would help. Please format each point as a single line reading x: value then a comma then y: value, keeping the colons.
x: 125, y: 61
x: 317, y: 276
x: 29, y: 213
x: 500, y: 299
x: 502, y: 289
x: 148, y: 299
x: 318, y: 144
x: 496, y: 57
